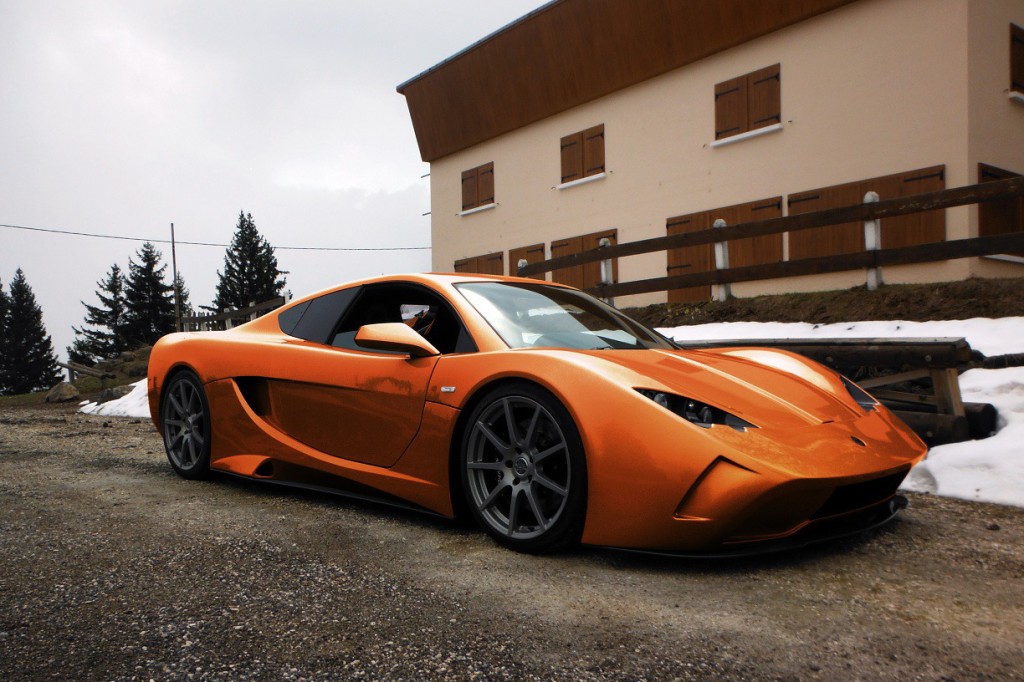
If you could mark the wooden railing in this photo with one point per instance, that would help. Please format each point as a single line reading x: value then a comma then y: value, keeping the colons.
x: 869, y: 259
x: 74, y: 369
x: 230, y: 318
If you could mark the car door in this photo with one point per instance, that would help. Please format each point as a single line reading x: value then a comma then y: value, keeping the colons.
x: 362, y: 406
x: 328, y: 393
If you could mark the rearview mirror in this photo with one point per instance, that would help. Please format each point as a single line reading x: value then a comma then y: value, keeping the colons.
x: 395, y: 336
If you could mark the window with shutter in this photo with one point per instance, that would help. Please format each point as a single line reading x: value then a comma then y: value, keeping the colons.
x: 755, y: 250
x: 918, y: 228
x: 1016, y: 59
x: 1001, y: 216
x: 748, y: 102
x: 689, y: 260
x: 763, y: 98
x: 478, y: 186
x: 566, y: 247
x: 833, y: 240
x: 731, y: 108
x: 487, y: 264
x: 583, y: 154
x: 593, y: 151
x: 588, y: 275
x: 531, y: 254
x: 572, y: 157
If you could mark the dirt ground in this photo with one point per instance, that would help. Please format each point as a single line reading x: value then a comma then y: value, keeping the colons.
x: 111, y: 567
x: 918, y: 302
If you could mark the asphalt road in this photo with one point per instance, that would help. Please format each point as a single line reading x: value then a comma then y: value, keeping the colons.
x: 111, y: 567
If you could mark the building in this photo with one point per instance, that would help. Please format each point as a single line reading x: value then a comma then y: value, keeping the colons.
x: 630, y: 119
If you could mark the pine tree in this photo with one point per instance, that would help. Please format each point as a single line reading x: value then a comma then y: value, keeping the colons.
x: 108, y: 341
x: 27, y: 361
x: 5, y: 305
x: 250, y: 269
x: 183, y: 303
x: 149, y: 303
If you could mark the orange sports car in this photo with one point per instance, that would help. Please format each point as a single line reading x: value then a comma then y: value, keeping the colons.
x: 548, y: 416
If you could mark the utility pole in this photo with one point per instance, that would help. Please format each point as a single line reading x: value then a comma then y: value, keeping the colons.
x: 174, y: 268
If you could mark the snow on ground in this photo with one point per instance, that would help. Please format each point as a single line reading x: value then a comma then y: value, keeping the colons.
x: 1000, y: 336
x: 989, y: 470
x: 135, y: 404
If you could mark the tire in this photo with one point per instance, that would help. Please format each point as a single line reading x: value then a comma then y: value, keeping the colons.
x: 185, y: 424
x: 523, y: 469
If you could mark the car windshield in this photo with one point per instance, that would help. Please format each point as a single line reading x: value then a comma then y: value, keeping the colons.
x: 542, y: 316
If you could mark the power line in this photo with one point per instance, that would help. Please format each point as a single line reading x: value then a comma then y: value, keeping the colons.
x: 223, y: 246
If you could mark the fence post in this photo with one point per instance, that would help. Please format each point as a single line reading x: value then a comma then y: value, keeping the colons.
x: 872, y: 242
x: 722, y: 263
x: 607, y: 270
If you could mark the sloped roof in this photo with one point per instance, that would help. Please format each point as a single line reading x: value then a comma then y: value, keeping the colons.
x: 569, y: 52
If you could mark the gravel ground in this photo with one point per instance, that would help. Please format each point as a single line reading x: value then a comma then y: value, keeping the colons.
x: 111, y: 567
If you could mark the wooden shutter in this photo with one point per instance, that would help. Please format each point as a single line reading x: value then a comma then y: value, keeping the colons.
x: 592, y: 271
x: 764, y: 93
x: 478, y: 186
x: 834, y: 239
x: 491, y: 264
x: 572, y: 157
x: 755, y: 250
x: 465, y: 265
x: 689, y: 259
x: 531, y: 254
x: 917, y: 228
x: 593, y: 151
x: 488, y: 264
x: 1001, y: 216
x: 572, y: 276
x: 485, y: 184
x: 470, y: 195
x: 731, y: 107
x: 1016, y: 58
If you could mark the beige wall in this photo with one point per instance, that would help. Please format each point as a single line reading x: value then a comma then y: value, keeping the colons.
x: 996, y: 123
x: 876, y: 87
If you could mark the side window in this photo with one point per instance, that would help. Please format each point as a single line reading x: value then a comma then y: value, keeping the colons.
x: 415, y: 306
x: 478, y: 186
x: 748, y: 102
x: 583, y: 154
x: 314, y: 320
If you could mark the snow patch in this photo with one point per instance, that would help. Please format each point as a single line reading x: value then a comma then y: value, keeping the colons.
x: 134, y: 404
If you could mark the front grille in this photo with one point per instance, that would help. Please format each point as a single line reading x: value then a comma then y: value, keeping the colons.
x: 848, y: 498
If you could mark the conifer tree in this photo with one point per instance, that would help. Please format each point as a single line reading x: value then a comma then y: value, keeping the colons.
x: 108, y: 341
x: 27, y: 361
x: 183, y: 303
x: 5, y: 304
x: 250, y: 269
x: 149, y: 303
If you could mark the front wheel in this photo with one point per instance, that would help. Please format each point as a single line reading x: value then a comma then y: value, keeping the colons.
x: 523, y: 469
x: 185, y: 422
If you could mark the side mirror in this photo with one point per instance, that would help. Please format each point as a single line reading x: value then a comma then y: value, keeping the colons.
x: 395, y: 336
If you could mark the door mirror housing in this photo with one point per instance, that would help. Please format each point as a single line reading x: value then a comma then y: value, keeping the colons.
x: 395, y: 336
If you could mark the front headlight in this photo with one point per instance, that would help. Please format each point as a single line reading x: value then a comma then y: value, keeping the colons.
x: 696, y: 412
x: 859, y: 395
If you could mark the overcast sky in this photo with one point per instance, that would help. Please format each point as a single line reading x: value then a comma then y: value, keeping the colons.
x: 120, y: 117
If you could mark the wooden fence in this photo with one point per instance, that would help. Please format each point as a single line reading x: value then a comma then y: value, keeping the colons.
x: 75, y: 369
x: 230, y: 318
x: 871, y: 259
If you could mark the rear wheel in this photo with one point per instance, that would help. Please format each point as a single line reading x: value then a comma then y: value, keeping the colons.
x: 185, y: 421
x: 523, y: 469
